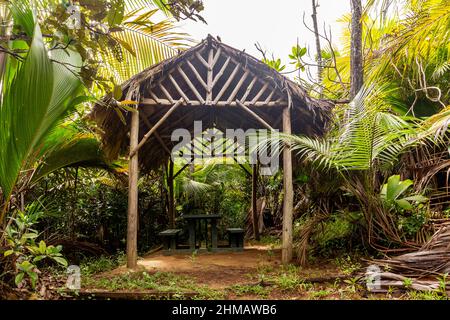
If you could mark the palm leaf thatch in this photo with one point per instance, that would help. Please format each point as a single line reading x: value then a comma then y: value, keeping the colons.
x: 234, y: 75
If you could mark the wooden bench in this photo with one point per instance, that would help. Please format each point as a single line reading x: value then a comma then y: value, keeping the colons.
x: 236, y: 238
x: 169, y: 238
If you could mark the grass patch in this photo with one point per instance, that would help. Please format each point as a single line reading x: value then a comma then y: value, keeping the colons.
x: 258, y: 290
x: 270, y: 240
x: 100, y: 264
x: 159, y: 281
x: 319, y: 294
x: 347, y: 265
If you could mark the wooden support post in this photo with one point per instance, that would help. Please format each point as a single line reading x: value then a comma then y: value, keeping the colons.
x: 133, y: 176
x: 254, y: 202
x: 171, y: 206
x: 288, y: 199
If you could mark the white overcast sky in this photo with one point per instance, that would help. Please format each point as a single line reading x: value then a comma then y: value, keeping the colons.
x: 275, y: 24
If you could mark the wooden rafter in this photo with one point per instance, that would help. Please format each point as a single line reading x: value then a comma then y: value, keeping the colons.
x: 157, y: 136
x: 189, y: 83
x: 196, y: 74
x: 153, y: 129
x: 177, y: 87
x: 166, y: 93
x: 257, y: 117
x: 238, y: 86
x: 165, y: 102
x: 227, y: 83
x: 208, y: 80
x: 249, y: 88
x: 220, y: 73
x: 209, y: 77
x: 200, y: 58
x: 216, y: 57
x: 260, y: 93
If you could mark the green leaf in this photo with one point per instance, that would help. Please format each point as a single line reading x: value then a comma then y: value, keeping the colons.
x: 116, y: 13
x: 25, y: 266
x: 302, y: 52
x: 42, y: 247
x: 61, y: 261
x: 24, y: 106
x: 395, y: 187
x: 404, y: 204
x: 34, y: 277
x: 30, y: 235
x: 19, y: 278
x: 38, y: 258
x: 117, y: 92
x: 8, y: 253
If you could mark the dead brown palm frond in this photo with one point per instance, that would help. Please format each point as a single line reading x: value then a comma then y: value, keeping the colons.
x: 302, y: 243
x: 431, y: 260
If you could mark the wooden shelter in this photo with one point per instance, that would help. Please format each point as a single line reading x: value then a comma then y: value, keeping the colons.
x: 224, y: 88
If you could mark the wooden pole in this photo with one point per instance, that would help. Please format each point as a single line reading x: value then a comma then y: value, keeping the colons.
x: 171, y: 195
x: 288, y: 200
x: 133, y: 175
x: 254, y: 204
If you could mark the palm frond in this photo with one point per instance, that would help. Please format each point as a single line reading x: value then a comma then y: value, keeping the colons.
x: 143, y: 43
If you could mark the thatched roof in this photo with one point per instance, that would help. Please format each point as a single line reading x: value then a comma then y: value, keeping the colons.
x: 209, y: 78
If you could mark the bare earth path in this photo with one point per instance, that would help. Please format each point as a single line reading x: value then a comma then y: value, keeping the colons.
x: 221, y: 270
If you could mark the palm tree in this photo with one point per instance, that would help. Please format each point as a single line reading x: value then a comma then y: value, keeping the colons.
x: 367, y: 139
x: 41, y: 87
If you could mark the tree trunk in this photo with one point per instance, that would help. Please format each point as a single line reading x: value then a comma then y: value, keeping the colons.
x: 133, y: 175
x: 356, y: 54
x: 254, y: 204
x: 288, y: 199
x: 315, y: 4
x: 171, y: 204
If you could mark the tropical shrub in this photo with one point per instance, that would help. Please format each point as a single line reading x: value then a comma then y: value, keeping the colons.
x: 23, y: 253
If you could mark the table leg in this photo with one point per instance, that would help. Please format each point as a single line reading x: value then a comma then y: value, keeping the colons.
x: 191, y: 227
x: 206, y: 234
x: 214, y: 234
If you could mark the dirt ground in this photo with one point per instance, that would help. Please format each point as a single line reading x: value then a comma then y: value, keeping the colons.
x: 222, y: 270
x: 217, y: 270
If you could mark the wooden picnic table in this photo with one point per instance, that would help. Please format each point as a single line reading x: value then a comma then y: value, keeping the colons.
x: 194, y: 219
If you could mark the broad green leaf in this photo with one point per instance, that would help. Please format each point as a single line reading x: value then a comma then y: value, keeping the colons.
x: 38, y: 258
x: 19, y: 277
x: 30, y: 235
x: 396, y: 188
x: 34, y: 277
x: 42, y: 247
x: 61, y: 261
x: 404, y: 204
x: 8, y: 252
x: 23, y: 110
